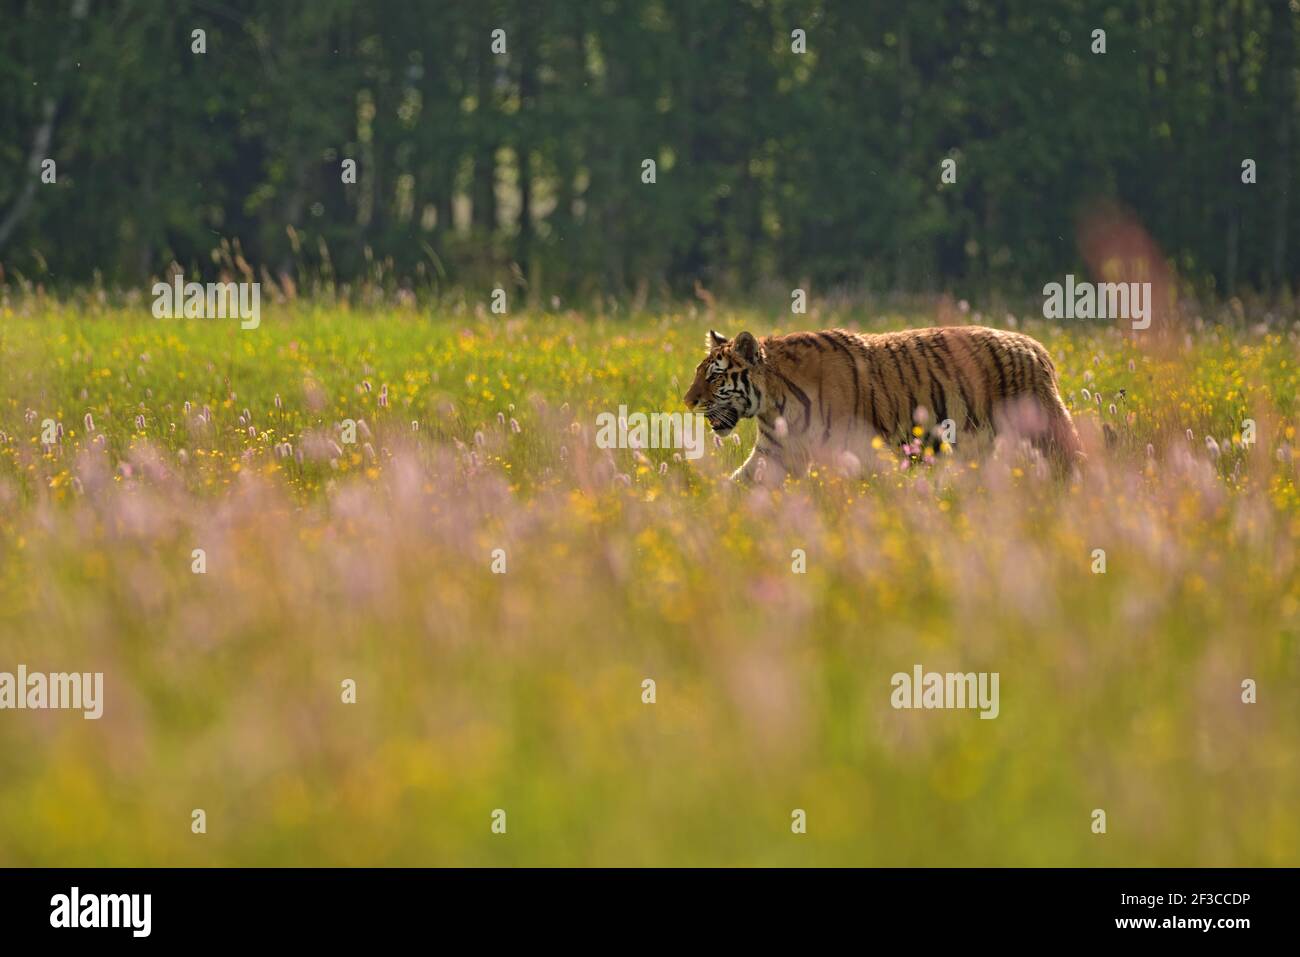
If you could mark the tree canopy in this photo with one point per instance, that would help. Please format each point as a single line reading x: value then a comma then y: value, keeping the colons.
x: 508, y: 140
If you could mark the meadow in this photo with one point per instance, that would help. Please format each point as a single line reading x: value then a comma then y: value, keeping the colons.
x: 128, y: 442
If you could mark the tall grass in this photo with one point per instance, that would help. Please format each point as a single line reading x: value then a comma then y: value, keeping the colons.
x: 523, y: 691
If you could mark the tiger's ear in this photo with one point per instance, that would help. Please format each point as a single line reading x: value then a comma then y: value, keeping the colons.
x: 715, y: 339
x: 747, y: 348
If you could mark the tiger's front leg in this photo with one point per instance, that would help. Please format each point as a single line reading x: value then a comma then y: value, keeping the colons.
x: 761, y: 468
x: 748, y: 473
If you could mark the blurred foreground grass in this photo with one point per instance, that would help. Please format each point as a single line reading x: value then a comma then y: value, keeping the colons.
x: 523, y: 691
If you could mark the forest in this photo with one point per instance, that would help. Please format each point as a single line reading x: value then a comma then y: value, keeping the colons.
x: 614, y: 147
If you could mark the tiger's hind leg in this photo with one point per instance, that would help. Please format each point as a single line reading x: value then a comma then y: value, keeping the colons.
x: 1042, y: 420
x: 1059, y: 441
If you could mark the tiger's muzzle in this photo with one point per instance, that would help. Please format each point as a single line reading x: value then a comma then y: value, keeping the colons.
x: 722, y: 419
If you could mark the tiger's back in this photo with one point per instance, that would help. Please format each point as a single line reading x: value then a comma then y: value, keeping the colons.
x: 960, y: 372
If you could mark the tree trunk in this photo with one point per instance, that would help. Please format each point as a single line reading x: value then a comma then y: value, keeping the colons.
x: 40, y: 151
x: 485, y: 162
x: 1285, y: 106
x: 1228, y: 71
x: 524, y: 143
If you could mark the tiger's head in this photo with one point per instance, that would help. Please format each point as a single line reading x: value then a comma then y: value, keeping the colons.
x: 729, y: 382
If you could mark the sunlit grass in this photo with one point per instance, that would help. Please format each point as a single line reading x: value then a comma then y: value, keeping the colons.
x: 371, y: 560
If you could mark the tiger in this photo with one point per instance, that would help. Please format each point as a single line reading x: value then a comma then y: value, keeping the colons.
x: 836, y: 391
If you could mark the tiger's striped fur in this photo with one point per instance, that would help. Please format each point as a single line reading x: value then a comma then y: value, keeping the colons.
x: 829, y: 392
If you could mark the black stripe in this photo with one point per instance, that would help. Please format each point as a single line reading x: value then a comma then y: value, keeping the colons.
x: 972, y: 414
x: 802, y: 398
x: 902, y: 382
x: 997, y: 361
x: 936, y: 364
x: 920, y: 379
x: 834, y: 339
x: 937, y: 408
x: 1015, y: 358
x: 976, y: 349
x: 875, y: 408
x: 912, y: 362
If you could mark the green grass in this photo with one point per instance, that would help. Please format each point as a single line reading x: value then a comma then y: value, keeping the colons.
x: 523, y: 691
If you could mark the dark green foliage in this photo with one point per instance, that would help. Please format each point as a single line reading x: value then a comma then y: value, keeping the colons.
x: 772, y: 166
